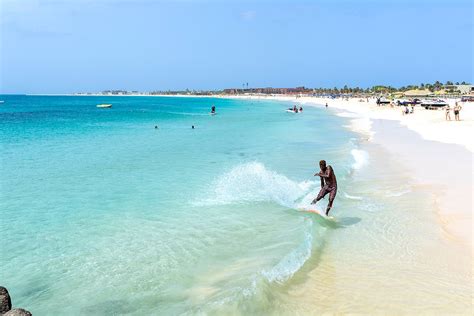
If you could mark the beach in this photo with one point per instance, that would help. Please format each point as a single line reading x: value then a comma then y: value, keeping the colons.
x: 114, y: 215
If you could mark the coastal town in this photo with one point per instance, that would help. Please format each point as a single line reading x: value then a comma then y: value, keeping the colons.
x: 437, y: 89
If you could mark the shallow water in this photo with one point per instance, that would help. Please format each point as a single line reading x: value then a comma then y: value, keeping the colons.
x: 102, y: 213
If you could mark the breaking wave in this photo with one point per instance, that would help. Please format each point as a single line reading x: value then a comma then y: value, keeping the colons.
x: 361, y: 158
x: 252, y: 182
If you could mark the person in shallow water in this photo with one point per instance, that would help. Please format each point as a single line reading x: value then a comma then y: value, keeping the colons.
x: 213, y: 109
x: 328, y: 184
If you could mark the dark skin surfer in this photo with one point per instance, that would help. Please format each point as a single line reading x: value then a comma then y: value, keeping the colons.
x: 328, y: 184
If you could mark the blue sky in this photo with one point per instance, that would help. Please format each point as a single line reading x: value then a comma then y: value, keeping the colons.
x: 59, y: 46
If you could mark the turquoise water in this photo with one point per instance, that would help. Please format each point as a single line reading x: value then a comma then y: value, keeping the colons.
x: 102, y: 214
x: 101, y: 211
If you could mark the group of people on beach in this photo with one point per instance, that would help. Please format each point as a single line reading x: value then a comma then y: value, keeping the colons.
x: 406, y: 110
x: 456, y: 109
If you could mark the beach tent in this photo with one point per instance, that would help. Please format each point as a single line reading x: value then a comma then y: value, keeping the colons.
x: 417, y: 93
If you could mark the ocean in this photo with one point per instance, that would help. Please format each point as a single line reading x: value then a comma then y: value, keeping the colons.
x: 102, y: 213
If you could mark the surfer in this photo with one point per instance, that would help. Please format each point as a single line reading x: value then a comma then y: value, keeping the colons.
x: 328, y: 184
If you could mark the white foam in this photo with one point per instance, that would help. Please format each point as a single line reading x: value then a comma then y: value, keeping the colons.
x: 352, y: 197
x: 361, y: 158
x: 292, y: 262
x: 348, y: 114
x: 362, y: 125
x: 252, y: 182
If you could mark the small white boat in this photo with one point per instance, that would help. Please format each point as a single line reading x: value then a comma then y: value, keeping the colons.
x: 104, y: 106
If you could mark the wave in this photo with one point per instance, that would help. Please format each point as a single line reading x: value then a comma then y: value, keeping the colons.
x: 252, y: 182
x: 292, y: 262
x: 352, y: 197
x: 262, y: 284
x: 362, y: 125
x: 348, y: 114
x: 361, y: 158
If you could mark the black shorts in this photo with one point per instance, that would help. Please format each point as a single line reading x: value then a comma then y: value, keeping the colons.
x: 456, y: 112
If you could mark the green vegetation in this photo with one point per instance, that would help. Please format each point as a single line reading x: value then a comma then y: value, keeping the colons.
x: 449, y: 87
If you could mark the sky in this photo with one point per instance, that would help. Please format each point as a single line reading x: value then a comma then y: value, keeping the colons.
x: 59, y: 46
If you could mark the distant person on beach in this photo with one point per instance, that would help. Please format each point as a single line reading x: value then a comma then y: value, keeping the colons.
x: 412, y: 109
x: 448, y: 113
x: 326, y: 104
x: 457, y: 109
x: 328, y: 184
x: 213, y: 109
x: 405, y: 110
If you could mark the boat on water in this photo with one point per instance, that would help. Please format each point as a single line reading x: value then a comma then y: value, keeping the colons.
x: 104, y: 106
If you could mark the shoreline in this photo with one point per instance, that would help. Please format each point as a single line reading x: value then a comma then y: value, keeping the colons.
x: 426, y: 163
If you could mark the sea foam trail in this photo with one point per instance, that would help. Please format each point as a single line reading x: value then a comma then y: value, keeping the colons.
x: 292, y: 262
x: 352, y: 197
x: 252, y: 182
x: 261, y: 284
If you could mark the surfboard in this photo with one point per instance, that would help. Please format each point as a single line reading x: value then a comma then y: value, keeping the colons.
x: 319, y: 213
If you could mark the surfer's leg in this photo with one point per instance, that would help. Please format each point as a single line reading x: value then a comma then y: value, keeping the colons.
x: 332, y: 196
x: 322, y: 193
